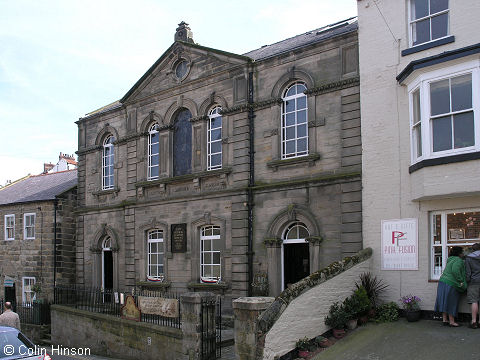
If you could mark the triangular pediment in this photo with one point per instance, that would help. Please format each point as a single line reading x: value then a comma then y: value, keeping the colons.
x: 166, y: 73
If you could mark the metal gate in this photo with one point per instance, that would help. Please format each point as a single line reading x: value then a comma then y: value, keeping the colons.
x: 211, y: 324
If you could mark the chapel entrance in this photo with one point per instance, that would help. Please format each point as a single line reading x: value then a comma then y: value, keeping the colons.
x: 296, y: 254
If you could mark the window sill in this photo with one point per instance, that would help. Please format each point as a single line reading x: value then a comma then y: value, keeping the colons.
x: 444, y: 160
x: 205, y: 286
x: 433, y: 281
x: 175, y: 179
x: 106, y: 192
x: 154, y: 284
x: 310, y: 159
x: 429, y: 45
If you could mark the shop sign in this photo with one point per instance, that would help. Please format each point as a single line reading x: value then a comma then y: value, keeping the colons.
x: 400, y: 244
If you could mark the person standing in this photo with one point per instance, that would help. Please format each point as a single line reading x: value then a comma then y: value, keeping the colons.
x: 472, y: 272
x: 451, y: 284
x: 10, y: 318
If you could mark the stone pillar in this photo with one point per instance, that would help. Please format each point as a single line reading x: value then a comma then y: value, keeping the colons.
x: 191, y: 307
x: 247, y: 310
x: 314, y: 248
x: 274, y: 256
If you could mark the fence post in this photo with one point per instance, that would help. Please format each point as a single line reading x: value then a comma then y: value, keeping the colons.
x: 247, y: 310
x: 191, y: 305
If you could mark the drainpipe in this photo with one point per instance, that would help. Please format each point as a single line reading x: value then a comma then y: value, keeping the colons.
x: 55, y: 206
x: 251, y: 181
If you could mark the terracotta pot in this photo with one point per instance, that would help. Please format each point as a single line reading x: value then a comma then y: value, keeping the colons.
x: 352, y: 324
x: 303, y: 353
x: 324, y: 343
x: 362, y: 319
x: 338, y: 333
x: 372, y: 313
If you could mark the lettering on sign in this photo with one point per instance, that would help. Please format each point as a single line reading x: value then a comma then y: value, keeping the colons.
x: 399, y: 244
x: 179, y: 238
x: 159, y: 306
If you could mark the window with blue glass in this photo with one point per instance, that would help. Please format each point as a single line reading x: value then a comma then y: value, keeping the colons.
x: 214, y: 139
x: 182, y: 143
x: 153, y: 153
x: 108, y: 159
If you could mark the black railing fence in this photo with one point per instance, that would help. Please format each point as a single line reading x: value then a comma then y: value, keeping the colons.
x: 110, y: 301
x: 36, y: 313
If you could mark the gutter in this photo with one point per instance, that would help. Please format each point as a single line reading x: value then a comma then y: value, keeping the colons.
x: 251, y: 181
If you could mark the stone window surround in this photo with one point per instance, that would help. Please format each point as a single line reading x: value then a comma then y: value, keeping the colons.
x: 25, y: 237
x: 96, y: 251
x: 6, y: 228
x: 107, y: 131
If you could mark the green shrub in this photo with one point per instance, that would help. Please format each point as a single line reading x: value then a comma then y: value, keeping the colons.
x: 374, y: 287
x: 337, y: 316
x: 387, y: 312
x: 357, y: 304
x: 303, y: 344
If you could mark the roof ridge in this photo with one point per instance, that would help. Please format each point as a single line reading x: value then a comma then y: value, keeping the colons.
x: 56, y: 172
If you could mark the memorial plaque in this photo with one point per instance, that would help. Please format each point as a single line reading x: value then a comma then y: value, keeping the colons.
x: 130, y: 311
x: 159, y: 306
x: 179, y: 238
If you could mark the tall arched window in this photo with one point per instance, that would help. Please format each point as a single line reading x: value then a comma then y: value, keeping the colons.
x: 294, y: 121
x: 155, y: 269
x: 214, y: 139
x: 182, y: 144
x: 108, y: 158
x: 153, y: 153
x: 210, y: 262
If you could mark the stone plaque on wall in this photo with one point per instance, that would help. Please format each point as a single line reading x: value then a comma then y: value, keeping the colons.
x: 159, y: 306
x: 179, y: 238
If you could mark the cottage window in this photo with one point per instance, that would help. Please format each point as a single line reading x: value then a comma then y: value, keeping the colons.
x: 29, y: 226
x: 214, y: 139
x: 108, y: 158
x: 428, y: 20
x: 210, y: 262
x: 10, y: 227
x: 28, y: 295
x: 294, y: 122
x: 155, y: 269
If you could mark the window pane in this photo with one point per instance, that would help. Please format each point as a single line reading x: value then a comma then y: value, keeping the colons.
x: 216, y: 231
x: 439, y: 26
x: 216, y: 122
x: 421, y: 32
x: 153, y: 247
x: 207, y: 245
x: 155, y: 159
x: 290, y: 132
x: 301, y: 88
x: 154, y: 173
x: 463, y: 129
x: 290, y: 91
x: 160, y: 259
x: 302, y: 130
x: 290, y: 119
x: 301, y: 103
x: 437, y: 261
x: 438, y: 5
x: 207, y: 271
x: 154, y: 137
x: 155, y: 148
x: 301, y: 116
x: 216, y: 271
x: 290, y: 147
x: 302, y: 232
x: 216, y: 134
x: 216, y: 244
x: 442, y: 133
x: 416, y: 106
x: 216, y: 160
x: 153, y: 259
x: 289, y: 105
x: 216, y: 147
x: 461, y: 92
x: 439, y: 97
x: 461, y: 226
x: 418, y: 140
x: 302, y: 145
x: 419, y: 9
x: 216, y: 258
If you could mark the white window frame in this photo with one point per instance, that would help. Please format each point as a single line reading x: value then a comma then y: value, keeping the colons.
x: 157, y: 240
x: 284, y: 126
x: 28, y: 281
x: 209, y: 238
x: 286, y: 241
x: 108, y: 157
x: 422, y: 82
x: 435, y: 271
x: 214, y: 114
x: 430, y: 16
x: 25, y: 231
x: 12, y: 227
x: 151, y: 164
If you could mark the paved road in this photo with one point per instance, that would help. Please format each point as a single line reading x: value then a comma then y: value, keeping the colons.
x: 422, y: 340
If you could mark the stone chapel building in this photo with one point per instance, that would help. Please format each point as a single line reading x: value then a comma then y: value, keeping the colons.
x: 237, y: 174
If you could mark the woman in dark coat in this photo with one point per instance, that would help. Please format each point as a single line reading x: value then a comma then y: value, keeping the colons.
x: 451, y: 284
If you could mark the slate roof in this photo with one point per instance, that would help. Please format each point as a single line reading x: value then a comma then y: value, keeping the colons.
x: 38, y: 187
x: 302, y: 40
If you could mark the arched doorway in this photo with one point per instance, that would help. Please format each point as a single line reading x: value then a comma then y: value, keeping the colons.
x: 295, y: 254
x: 107, y: 263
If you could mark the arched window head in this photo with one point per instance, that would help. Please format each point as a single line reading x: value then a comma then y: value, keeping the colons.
x: 294, y: 121
x: 214, y: 139
x: 108, y: 159
x: 210, y: 260
x: 155, y: 252
x: 107, y: 243
x: 153, y: 152
x: 296, y: 232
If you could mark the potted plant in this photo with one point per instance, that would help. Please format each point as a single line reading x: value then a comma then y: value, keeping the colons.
x: 303, y: 345
x: 411, y: 306
x: 363, y: 304
x: 387, y: 312
x: 374, y: 288
x: 336, y: 319
x: 350, y: 305
x: 322, y: 341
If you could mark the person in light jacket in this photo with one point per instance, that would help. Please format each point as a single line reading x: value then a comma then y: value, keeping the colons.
x: 472, y: 272
x: 451, y: 284
x: 9, y: 318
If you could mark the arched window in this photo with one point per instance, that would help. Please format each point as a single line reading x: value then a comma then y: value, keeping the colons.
x: 214, y: 139
x: 153, y: 152
x: 182, y: 144
x: 294, y: 121
x: 296, y: 232
x: 107, y: 244
x: 155, y: 269
x: 210, y: 262
x: 108, y: 158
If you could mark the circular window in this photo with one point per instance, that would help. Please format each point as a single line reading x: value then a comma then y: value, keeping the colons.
x: 181, y: 69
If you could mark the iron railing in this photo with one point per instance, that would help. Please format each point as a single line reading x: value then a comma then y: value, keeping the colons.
x: 36, y: 313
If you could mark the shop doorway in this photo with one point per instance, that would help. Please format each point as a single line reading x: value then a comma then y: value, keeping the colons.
x: 295, y: 254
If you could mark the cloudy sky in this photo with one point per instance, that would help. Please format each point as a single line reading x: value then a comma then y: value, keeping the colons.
x: 60, y: 59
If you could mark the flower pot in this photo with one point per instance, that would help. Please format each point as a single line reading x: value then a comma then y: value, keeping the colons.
x: 362, y: 320
x: 303, y: 353
x: 351, y: 324
x: 338, y: 333
x: 324, y: 343
x: 412, y: 315
x: 372, y: 313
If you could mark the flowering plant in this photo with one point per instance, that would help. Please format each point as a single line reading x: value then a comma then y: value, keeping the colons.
x: 410, y: 302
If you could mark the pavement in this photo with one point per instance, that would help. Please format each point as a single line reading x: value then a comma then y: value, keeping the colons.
x: 422, y: 340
